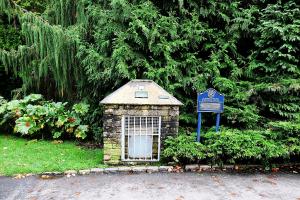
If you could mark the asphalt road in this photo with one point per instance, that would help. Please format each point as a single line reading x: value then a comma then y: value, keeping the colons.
x: 183, y: 186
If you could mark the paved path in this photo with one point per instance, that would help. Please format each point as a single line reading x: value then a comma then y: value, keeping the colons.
x: 166, y: 186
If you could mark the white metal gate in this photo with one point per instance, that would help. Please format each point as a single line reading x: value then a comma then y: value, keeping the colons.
x: 141, y: 138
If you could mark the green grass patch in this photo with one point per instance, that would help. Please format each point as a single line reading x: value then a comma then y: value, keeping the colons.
x: 19, y: 156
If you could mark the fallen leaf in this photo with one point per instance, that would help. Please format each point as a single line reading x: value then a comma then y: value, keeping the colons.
x: 77, y: 193
x: 262, y: 195
x: 270, y: 181
x: 19, y: 176
x: 180, y: 198
x: 217, y: 180
x: 57, y: 141
x: 275, y: 169
x: 233, y: 194
x: 45, y: 176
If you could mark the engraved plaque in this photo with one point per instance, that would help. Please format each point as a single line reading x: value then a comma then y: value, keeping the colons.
x: 210, y: 106
x: 210, y: 101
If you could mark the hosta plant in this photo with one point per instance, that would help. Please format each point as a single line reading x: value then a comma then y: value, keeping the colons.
x: 36, y: 117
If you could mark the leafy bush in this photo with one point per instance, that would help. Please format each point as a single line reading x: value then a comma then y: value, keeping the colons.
x: 289, y: 133
x: 291, y: 128
x: 32, y: 116
x: 184, y: 149
x: 232, y: 146
x: 94, y: 119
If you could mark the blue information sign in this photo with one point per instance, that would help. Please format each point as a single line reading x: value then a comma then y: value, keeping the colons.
x: 209, y: 101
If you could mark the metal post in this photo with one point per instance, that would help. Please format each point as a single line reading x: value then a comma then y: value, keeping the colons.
x: 199, y: 127
x: 218, y: 122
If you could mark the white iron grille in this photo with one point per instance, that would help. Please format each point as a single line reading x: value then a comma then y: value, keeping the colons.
x: 141, y: 138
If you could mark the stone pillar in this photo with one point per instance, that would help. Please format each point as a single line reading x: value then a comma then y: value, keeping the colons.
x: 112, y: 128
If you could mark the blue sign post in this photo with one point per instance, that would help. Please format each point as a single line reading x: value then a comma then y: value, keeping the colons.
x: 209, y: 101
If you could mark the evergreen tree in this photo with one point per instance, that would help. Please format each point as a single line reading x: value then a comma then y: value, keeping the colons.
x: 247, y: 50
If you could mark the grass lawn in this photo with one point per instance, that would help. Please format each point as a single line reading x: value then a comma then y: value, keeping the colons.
x: 19, y: 156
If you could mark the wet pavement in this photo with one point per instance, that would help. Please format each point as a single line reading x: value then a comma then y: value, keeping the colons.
x: 173, y: 186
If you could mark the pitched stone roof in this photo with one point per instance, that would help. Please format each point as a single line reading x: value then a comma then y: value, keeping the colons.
x: 141, y: 92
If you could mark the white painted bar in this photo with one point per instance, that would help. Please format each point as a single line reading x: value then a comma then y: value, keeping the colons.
x: 141, y: 149
x: 123, y: 138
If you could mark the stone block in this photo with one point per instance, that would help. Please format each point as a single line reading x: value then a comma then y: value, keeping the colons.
x: 84, y: 172
x: 204, y: 167
x: 108, y: 145
x: 151, y: 169
x: 229, y: 166
x: 192, y: 168
x: 53, y: 173
x: 114, y: 152
x: 109, y: 111
x: 70, y: 172
x: 139, y: 169
x: 124, y: 169
x: 115, y: 158
x: 97, y: 170
x: 114, y: 162
x: 154, y: 107
x: 111, y: 170
x: 165, y: 168
x: 107, y: 157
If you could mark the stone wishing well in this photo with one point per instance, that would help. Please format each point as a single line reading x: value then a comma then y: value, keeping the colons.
x: 137, y: 118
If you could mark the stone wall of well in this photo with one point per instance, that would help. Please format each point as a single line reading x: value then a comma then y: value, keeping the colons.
x: 112, y: 125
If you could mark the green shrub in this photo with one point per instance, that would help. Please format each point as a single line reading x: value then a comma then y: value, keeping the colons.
x: 183, y: 149
x: 34, y: 117
x: 94, y: 119
x: 289, y: 133
x: 234, y: 146
x: 290, y: 128
x: 230, y: 146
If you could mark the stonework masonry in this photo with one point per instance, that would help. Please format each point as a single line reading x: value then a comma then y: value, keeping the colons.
x: 112, y: 125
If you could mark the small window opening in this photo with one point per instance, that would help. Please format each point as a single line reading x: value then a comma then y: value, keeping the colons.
x: 141, y: 94
x: 163, y: 97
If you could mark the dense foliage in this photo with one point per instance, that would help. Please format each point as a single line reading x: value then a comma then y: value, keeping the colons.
x: 37, y: 118
x: 246, y: 50
x: 233, y: 146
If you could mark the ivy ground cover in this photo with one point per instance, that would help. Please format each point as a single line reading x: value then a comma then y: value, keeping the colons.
x: 20, y: 156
